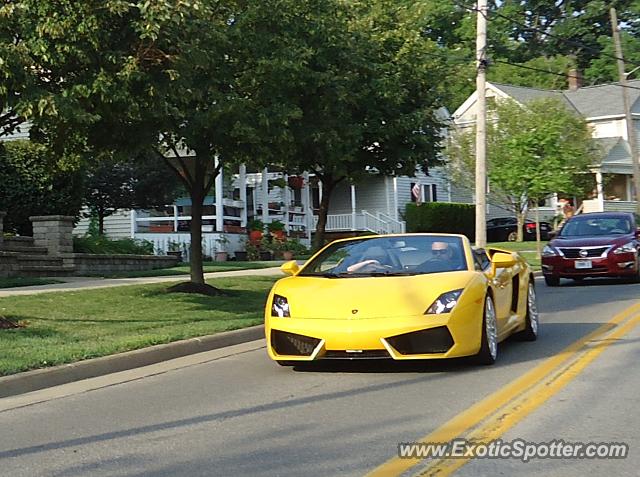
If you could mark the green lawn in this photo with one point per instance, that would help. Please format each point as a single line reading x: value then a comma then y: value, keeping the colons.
x: 526, y: 249
x: 183, y: 269
x: 72, y: 326
x: 25, y: 282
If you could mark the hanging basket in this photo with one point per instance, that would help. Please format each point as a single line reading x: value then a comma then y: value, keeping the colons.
x: 296, y: 182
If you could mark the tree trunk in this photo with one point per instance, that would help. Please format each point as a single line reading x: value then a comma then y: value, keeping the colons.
x: 538, y: 238
x: 197, y: 206
x: 318, y: 239
x: 101, y: 215
x: 520, y: 219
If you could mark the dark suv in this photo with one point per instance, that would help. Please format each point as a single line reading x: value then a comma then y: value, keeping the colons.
x: 602, y: 244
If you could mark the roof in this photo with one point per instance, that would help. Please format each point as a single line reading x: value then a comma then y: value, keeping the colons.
x: 602, y: 100
x: 589, y: 101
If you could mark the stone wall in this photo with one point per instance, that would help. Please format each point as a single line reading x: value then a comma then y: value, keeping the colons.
x: 54, y: 232
x: 9, y: 266
x: 85, y: 263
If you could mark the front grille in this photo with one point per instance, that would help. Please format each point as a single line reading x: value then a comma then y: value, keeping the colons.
x: 292, y: 344
x: 575, y: 252
x: 364, y: 354
x: 433, y: 340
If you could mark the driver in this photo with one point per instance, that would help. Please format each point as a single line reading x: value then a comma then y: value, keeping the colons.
x: 440, y: 259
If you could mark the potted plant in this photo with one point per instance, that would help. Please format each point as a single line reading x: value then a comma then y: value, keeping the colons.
x: 293, y: 248
x: 256, y: 230
x: 241, y: 255
x: 276, y: 228
x: 174, y: 249
x: 221, y: 249
x: 279, y: 182
x: 296, y: 182
x: 266, y: 248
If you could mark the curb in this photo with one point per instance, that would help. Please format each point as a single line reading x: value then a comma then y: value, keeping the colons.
x: 45, y: 378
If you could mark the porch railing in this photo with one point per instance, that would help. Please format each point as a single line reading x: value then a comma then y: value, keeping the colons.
x: 619, y: 206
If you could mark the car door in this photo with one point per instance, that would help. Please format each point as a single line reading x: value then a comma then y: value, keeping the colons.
x: 502, y: 282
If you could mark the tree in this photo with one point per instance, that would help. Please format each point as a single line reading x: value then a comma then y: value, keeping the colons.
x: 35, y: 182
x: 114, y: 183
x: 534, y: 150
x: 362, y: 93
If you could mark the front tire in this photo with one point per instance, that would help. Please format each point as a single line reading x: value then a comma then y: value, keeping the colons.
x: 489, y: 343
x: 552, y: 281
x: 532, y: 319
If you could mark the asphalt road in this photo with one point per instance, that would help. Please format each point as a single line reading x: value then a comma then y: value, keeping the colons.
x: 244, y: 415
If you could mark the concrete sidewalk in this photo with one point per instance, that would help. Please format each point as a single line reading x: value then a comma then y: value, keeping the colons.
x: 86, y: 283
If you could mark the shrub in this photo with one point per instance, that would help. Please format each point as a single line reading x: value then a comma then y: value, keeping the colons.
x: 101, y: 245
x: 441, y: 217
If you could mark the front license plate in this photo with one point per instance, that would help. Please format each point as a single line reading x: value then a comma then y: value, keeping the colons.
x: 582, y: 264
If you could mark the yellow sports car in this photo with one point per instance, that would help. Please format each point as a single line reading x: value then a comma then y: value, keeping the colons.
x: 406, y: 296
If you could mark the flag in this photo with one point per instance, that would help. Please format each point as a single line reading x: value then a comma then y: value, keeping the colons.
x: 416, y: 192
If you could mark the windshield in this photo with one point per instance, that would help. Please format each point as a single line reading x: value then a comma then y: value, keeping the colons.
x: 586, y: 226
x: 389, y: 256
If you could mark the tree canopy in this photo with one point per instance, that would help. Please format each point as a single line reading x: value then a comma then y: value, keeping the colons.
x: 537, y: 149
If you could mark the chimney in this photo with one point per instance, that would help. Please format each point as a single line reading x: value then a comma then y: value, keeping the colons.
x: 575, y: 79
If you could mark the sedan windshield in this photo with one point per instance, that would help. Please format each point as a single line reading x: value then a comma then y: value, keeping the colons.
x: 586, y: 226
x: 389, y: 256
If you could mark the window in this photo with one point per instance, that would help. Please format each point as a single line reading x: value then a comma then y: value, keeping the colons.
x: 428, y: 192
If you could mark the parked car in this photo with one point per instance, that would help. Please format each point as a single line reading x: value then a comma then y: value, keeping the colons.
x: 405, y: 297
x: 599, y: 244
x: 505, y: 229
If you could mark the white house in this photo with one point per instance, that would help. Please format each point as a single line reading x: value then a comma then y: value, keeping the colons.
x: 602, y: 108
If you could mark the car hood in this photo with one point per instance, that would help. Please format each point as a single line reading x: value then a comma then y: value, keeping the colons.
x: 593, y: 241
x: 370, y: 297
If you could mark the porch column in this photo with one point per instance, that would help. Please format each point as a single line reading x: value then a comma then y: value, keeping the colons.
x: 175, y: 218
x: 600, y: 189
x: 386, y: 195
x: 265, y: 196
x: 353, y: 207
x: 219, y: 198
x: 306, y: 207
x: 134, y: 225
x: 286, y: 193
x: 395, y: 198
x: 242, y: 180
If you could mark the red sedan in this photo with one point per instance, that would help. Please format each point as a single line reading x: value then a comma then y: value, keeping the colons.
x: 602, y: 244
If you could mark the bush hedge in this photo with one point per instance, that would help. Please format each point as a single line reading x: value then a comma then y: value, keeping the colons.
x: 101, y: 245
x: 441, y: 217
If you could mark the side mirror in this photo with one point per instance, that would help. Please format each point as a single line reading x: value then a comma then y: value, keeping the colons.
x: 553, y: 234
x: 503, y: 260
x: 290, y: 268
x: 638, y: 233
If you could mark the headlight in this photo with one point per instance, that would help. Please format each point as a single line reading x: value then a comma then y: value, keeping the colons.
x: 549, y: 251
x: 444, y: 303
x: 626, y: 248
x: 280, y: 307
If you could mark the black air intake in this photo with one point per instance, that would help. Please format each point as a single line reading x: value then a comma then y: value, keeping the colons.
x: 433, y: 340
x: 292, y: 344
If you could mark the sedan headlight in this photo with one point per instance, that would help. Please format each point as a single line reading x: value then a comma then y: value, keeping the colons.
x: 626, y: 248
x: 549, y: 251
x: 280, y: 307
x: 444, y: 303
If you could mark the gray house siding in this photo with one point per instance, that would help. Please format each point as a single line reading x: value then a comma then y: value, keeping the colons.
x: 117, y: 225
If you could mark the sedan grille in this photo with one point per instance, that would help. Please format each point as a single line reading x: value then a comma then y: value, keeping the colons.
x: 432, y: 340
x: 293, y: 344
x: 586, y: 252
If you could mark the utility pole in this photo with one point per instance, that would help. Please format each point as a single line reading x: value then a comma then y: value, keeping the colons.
x: 631, y: 135
x: 481, y: 125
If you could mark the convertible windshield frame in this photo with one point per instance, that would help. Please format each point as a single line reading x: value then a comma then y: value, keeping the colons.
x: 389, y: 256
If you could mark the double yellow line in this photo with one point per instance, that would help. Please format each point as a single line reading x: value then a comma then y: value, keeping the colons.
x: 493, y: 416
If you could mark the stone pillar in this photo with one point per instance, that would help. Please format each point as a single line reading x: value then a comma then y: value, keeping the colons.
x: 53, y: 232
x: 2, y: 215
